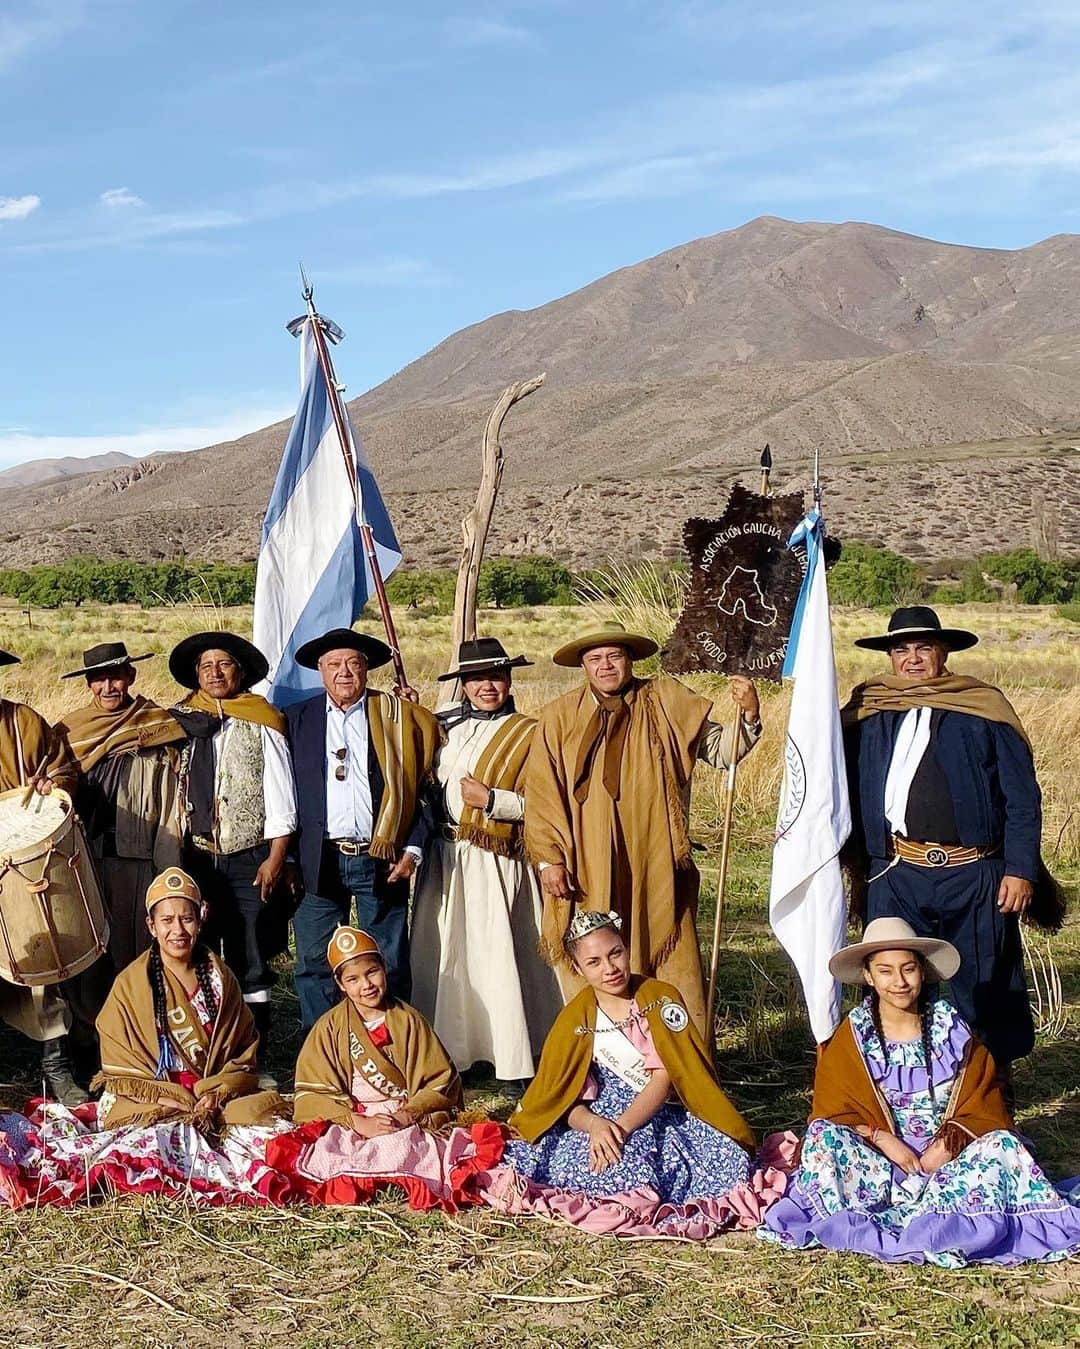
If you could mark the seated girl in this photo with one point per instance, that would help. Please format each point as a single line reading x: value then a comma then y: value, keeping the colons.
x: 177, y: 1039
x: 625, y: 1096
x: 180, y: 1113
x: 910, y: 1154
x: 376, y: 1093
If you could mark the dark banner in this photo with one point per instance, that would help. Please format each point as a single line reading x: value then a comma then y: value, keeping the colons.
x: 744, y: 581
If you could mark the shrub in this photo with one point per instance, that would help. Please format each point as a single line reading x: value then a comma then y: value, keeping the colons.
x: 875, y: 577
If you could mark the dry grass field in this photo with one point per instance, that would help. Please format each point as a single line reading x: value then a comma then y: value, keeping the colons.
x: 144, y: 1272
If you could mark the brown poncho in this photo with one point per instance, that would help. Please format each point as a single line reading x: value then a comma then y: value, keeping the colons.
x: 568, y: 1053
x: 629, y: 851
x: 94, y: 734
x: 845, y: 1093
x: 412, y: 1065
x: 224, y: 1063
x: 404, y: 737
x: 946, y: 693
x: 29, y: 746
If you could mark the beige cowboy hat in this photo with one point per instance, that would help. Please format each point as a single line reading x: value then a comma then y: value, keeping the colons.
x: 609, y: 634
x: 893, y: 934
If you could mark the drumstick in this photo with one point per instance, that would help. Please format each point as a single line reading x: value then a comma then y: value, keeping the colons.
x: 29, y: 796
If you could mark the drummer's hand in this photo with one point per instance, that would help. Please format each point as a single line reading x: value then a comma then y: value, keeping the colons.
x: 41, y: 785
x: 267, y: 877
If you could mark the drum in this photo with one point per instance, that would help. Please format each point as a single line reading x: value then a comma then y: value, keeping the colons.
x: 52, y: 918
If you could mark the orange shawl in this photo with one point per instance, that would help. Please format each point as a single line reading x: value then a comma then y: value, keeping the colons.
x: 845, y: 1093
x: 568, y: 1053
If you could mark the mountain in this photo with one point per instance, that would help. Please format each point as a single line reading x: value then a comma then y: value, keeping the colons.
x: 940, y: 383
x: 40, y: 471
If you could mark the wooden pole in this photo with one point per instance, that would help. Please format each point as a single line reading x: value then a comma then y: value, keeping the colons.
x: 337, y: 411
x: 721, y: 882
x: 475, y: 526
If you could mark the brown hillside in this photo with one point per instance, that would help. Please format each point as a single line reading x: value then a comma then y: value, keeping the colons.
x: 664, y: 379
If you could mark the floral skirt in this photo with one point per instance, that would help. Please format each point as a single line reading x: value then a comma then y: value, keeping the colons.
x: 675, y: 1154
x: 60, y: 1156
x: 991, y: 1204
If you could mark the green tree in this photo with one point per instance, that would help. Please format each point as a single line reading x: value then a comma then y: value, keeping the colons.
x: 875, y: 577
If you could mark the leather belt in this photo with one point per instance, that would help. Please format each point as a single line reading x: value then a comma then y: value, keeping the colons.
x: 449, y: 832
x: 348, y: 847
x: 935, y: 854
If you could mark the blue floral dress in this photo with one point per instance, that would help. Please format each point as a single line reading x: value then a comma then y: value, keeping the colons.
x: 676, y: 1154
x: 991, y: 1204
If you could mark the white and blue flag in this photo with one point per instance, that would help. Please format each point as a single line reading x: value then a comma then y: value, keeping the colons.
x: 312, y: 572
x: 807, y: 908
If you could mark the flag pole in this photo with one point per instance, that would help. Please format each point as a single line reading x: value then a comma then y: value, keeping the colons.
x: 366, y: 536
x: 729, y: 807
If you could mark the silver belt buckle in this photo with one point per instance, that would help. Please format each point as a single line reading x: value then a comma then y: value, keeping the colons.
x: 937, y: 857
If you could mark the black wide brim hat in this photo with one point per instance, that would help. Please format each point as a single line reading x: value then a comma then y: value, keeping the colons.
x: 6, y: 658
x: 918, y: 621
x: 344, y: 639
x: 108, y: 656
x: 185, y: 656
x: 484, y: 655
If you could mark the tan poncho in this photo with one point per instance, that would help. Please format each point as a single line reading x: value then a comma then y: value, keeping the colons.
x: 944, y: 693
x: 630, y: 853
x: 224, y: 1063
x: 29, y: 746
x: 501, y: 765
x: 412, y: 1066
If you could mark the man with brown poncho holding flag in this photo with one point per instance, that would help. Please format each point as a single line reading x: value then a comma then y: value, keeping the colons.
x: 607, y: 792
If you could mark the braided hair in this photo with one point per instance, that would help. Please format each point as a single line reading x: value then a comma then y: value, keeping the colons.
x: 926, y: 1021
x: 204, y: 970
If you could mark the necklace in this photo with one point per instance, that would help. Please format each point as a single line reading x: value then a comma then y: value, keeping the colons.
x: 639, y: 1015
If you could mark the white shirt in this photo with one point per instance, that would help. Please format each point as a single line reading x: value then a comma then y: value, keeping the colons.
x: 349, y: 812
x: 348, y: 801
x: 279, y: 785
x: 912, y: 742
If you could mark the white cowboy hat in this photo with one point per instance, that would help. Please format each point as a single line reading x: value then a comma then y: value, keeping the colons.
x: 893, y: 934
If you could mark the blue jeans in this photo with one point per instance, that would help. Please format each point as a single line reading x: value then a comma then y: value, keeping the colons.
x: 381, y: 910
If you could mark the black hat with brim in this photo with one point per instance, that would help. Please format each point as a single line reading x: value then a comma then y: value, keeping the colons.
x: 185, y: 656
x: 104, y: 657
x: 6, y: 658
x: 343, y: 639
x: 906, y: 625
x: 481, y: 656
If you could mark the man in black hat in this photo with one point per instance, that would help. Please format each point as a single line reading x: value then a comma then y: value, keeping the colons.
x: 128, y: 752
x: 239, y: 797
x: 33, y: 754
x: 947, y: 814
x: 363, y: 757
x: 478, y: 975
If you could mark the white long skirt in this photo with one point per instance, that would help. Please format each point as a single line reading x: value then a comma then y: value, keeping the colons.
x: 477, y: 974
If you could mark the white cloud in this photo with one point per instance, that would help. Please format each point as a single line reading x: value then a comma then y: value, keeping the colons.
x: 18, y: 208
x: 18, y: 446
x: 117, y: 198
x: 131, y: 228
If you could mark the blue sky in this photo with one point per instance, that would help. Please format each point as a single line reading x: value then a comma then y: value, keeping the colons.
x: 165, y: 163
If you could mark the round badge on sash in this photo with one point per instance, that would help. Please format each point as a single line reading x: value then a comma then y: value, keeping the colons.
x: 673, y: 1016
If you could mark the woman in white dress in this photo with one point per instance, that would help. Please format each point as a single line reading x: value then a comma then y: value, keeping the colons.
x: 478, y: 976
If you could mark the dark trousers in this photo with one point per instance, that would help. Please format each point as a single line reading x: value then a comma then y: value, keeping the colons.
x: 960, y: 904
x: 382, y: 910
x: 246, y: 932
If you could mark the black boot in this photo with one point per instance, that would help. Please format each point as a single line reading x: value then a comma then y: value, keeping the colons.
x: 56, y: 1070
x: 260, y: 1013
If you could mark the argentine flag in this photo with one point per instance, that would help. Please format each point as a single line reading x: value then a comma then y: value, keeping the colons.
x: 807, y: 909
x: 312, y: 572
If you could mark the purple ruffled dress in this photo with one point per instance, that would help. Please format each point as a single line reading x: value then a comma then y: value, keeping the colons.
x: 991, y: 1204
